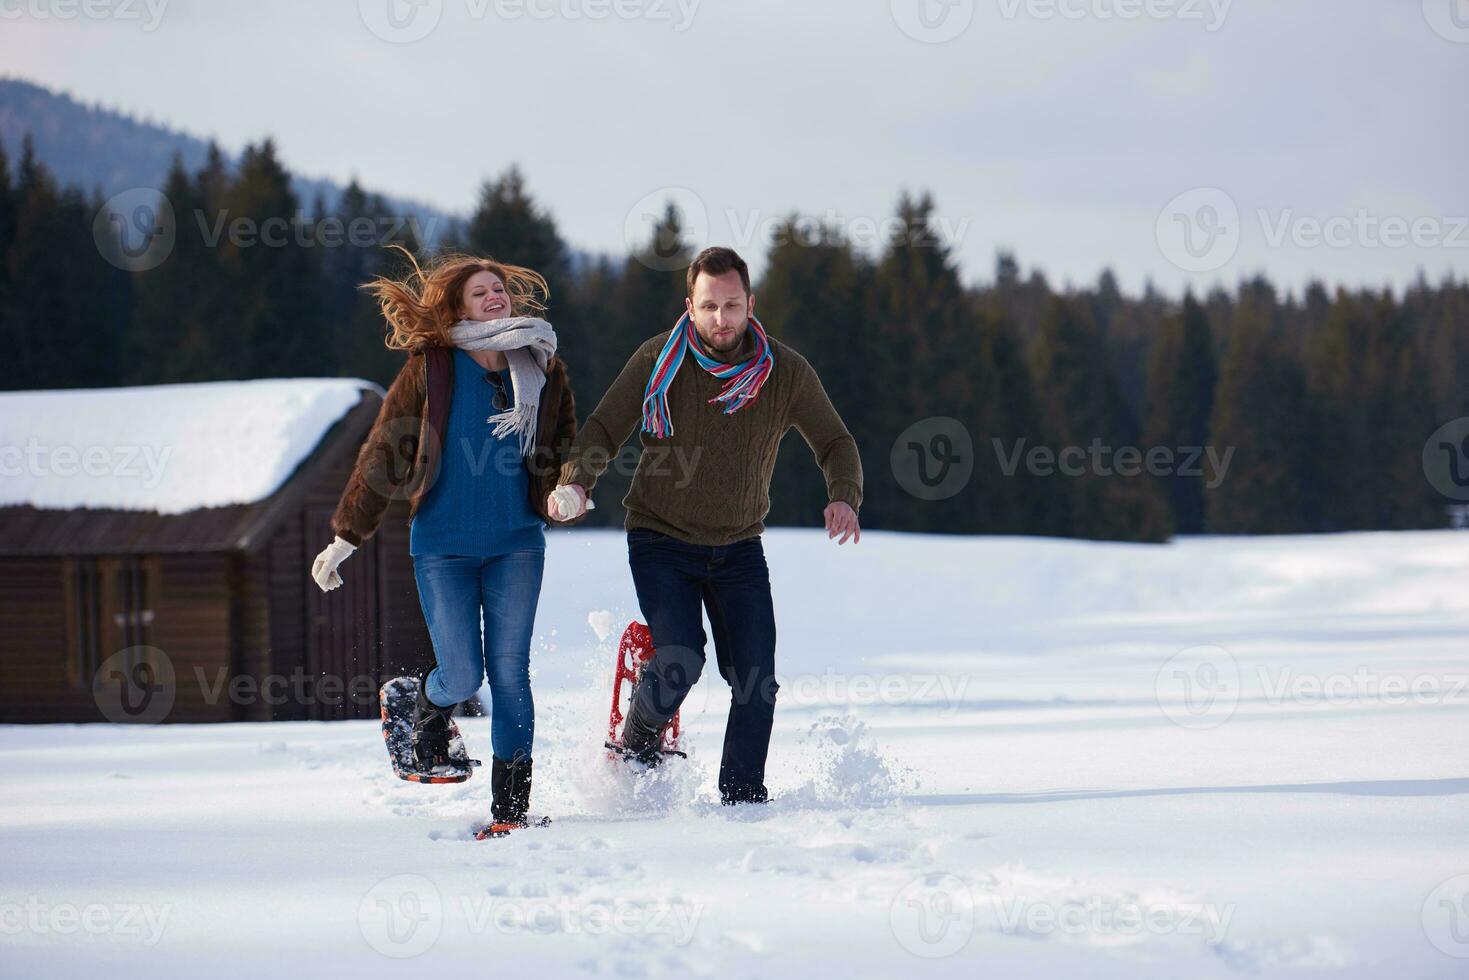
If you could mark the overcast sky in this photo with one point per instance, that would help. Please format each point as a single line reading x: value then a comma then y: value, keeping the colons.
x: 1178, y: 140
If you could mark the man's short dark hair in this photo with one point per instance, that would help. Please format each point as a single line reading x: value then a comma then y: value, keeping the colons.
x: 717, y: 261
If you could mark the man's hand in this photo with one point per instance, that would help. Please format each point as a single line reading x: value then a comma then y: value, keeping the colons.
x: 567, y: 502
x: 842, y: 519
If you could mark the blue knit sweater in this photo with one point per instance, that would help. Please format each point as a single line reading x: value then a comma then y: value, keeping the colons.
x: 479, y: 504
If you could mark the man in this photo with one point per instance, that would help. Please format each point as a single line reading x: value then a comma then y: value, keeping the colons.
x: 715, y: 395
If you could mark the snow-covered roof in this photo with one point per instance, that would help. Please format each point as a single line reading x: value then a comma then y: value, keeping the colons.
x: 165, y: 448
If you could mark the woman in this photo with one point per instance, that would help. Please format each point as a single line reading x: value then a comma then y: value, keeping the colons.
x: 472, y: 433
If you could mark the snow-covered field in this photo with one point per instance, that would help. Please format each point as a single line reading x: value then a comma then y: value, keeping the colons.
x: 997, y: 757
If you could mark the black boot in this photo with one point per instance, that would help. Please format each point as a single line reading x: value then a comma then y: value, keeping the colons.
x: 641, y: 736
x: 758, y: 794
x: 430, y: 730
x: 510, y: 788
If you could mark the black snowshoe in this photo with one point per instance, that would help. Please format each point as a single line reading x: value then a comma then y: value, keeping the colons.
x: 424, y: 744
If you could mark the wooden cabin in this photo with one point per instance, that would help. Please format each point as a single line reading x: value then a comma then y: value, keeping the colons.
x: 190, y: 599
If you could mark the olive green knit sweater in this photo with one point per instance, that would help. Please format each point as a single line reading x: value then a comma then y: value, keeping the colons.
x: 709, y: 482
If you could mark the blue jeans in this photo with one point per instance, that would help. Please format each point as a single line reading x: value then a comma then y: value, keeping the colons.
x: 453, y: 590
x: 676, y: 582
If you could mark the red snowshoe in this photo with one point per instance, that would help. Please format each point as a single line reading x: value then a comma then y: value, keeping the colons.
x: 503, y: 828
x: 634, y: 653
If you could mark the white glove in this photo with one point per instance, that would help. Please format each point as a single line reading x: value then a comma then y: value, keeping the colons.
x: 568, y: 502
x: 324, y: 569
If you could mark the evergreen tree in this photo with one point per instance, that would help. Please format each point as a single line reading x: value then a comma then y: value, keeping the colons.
x: 509, y: 226
x: 355, y: 248
x: 1016, y: 300
x: 275, y: 328
x: 923, y: 336
x: 815, y: 296
x: 66, y: 306
x: 1260, y: 417
x: 1323, y: 400
x: 1008, y: 415
x: 101, y: 308
x: 641, y: 302
x: 169, y: 340
x: 1181, y: 378
x: 35, y: 329
x: 1370, y: 388
x: 9, y: 206
x: 1085, y: 409
x: 1440, y: 317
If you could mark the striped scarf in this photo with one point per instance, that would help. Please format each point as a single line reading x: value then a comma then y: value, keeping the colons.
x: 742, y: 381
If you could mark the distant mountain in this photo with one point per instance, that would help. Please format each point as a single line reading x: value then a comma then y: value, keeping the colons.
x: 94, y: 147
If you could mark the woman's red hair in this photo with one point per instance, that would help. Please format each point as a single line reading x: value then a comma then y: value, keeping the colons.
x: 422, y: 306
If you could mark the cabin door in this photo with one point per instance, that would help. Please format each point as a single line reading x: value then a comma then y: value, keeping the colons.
x: 343, y: 639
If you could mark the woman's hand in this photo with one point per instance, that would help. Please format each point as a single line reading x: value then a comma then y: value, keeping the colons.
x: 568, y: 502
x: 324, y: 569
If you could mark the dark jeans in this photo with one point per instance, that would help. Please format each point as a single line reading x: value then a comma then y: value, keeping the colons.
x: 675, y: 582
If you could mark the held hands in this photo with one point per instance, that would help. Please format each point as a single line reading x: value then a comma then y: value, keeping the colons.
x: 841, y: 519
x: 568, y: 502
x: 324, y: 569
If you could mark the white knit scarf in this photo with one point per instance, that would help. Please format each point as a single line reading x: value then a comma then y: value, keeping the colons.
x: 528, y: 344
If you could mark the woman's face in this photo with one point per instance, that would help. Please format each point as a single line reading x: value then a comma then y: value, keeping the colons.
x: 484, y: 297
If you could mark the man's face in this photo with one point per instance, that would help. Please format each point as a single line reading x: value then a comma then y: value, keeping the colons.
x: 720, y: 310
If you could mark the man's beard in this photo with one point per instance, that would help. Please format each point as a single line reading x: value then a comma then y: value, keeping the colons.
x: 732, y: 344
